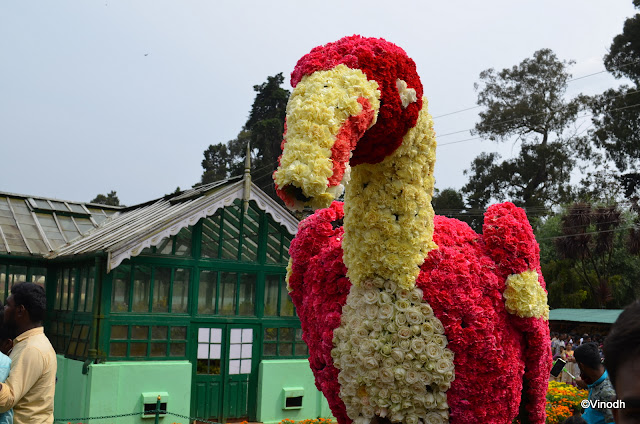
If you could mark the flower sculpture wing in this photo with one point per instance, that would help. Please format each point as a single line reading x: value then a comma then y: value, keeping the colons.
x: 409, y: 317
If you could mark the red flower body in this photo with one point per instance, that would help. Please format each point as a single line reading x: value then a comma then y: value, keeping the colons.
x: 463, y: 281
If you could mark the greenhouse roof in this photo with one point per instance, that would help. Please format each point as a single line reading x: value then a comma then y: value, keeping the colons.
x: 138, y: 227
x: 35, y: 226
x: 605, y: 316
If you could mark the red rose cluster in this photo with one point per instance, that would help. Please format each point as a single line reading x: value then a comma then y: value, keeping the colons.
x: 383, y: 62
x: 463, y: 281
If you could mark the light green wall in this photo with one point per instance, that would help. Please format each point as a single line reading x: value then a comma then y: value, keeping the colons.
x: 116, y: 387
x: 275, y: 375
x: 71, y: 389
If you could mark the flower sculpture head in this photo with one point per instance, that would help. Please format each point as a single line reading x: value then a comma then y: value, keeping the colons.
x: 353, y: 102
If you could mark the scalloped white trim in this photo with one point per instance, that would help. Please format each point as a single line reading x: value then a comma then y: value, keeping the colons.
x: 277, y: 212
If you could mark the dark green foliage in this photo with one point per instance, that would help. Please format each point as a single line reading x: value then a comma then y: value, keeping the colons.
x: 110, y: 199
x: 450, y: 203
x: 623, y: 59
x: 526, y: 102
x: 263, y: 130
x: 585, y: 258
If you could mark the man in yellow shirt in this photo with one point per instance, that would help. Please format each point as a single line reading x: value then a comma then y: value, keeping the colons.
x: 30, y: 388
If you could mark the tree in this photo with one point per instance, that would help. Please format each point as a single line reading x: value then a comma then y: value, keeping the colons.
x: 584, y: 258
x: 450, y: 203
x: 110, y: 199
x: 526, y: 102
x: 617, y: 111
x: 263, y: 130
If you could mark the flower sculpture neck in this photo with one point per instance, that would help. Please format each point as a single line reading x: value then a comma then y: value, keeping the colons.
x: 388, y: 219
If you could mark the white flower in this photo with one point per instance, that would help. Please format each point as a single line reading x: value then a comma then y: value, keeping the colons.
x: 416, y: 296
x: 371, y: 296
x: 405, y: 345
x: 437, y: 326
x: 400, y: 319
x: 443, y: 366
x: 402, y: 305
x: 418, y: 345
x: 371, y: 311
x: 412, y: 376
x: 414, y: 317
x: 403, y: 294
x: 404, y: 332
x: 397, y: 354
x: 385, y: 298
x: 433, y: 418
x: 440, y: 340
x: 386, y: 375
x: 433, y: 351
x: 395, y: 398
x: 390, y: 286
x: 370, y: 363
x: 385, y: 311
x: 399, y: 373
x: 426, y: 310
x: 426, y: 330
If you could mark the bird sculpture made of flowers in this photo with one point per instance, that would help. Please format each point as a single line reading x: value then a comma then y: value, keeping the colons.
x: 409, y: 317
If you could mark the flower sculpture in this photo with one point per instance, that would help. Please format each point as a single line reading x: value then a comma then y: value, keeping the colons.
x: 409, y: 317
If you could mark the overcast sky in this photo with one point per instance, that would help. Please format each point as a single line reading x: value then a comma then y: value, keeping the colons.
x: 126, y: 95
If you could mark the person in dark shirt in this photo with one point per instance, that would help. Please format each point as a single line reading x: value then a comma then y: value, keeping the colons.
x: 622, y: 359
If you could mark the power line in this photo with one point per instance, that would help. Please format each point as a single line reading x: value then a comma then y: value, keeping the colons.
x: 545, y: 113
x: 568, y: 81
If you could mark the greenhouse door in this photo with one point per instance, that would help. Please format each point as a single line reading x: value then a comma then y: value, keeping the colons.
x: 225, y: 374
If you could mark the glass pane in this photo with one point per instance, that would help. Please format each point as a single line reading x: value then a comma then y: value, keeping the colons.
x: 286, y: 242
x: 271, y: 334
x: 141, y: 287
x: 234, y: 366
x: 178, y: 333
x: 286, y: 305
x: 118, y: 350
x: 250, y: 231
x: 247, y: 299
x: 158, y: 349
x: 138, y: 349
x: 269, y: 349
x: 65, y: 290
x: 245, y: 366
x: 76, y: 208
x: 121, y: 285
x: 139, y: 332
x: 208, y: 366
x: 274, y: 238
x: 285, y: 349
x: 210, y: 236
x: 177, y: 349
x: 287, y: 334
x: 301, y: 349
x: 71, y: 349
x: 161, y: 284
x: 165, y: 247
x: 228, y: 283
x: 81, y: 349
x: 159, y: 332
x: 84, y: 332
x: 183, y: 242
x: 231, y: 233
x: 207, y: 292
x: 180, y: 299
x: 271, y: 287
x: 90, y: 287
x: 82, y: 288
x: 38, y: 276
x: 72, y: 288
x: 3, y: 283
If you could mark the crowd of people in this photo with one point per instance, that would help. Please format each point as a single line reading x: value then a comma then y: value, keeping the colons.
x: 609, y: 368
x: 562, y: 346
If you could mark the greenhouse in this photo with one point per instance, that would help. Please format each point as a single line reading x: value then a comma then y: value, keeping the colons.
x: 182, y: 296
